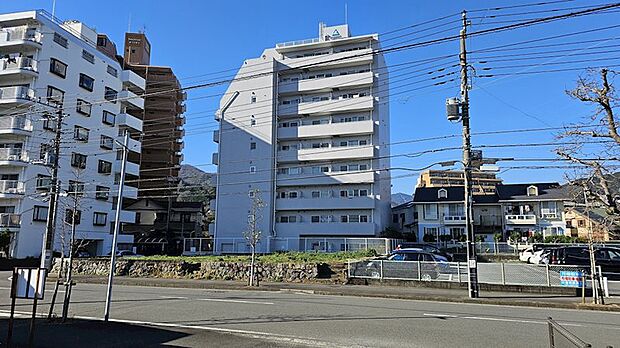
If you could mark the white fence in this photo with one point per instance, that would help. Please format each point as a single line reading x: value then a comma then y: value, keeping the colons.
x: 381, y: 246
x: 488, y: 273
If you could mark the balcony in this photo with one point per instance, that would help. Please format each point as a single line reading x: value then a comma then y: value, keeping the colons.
x: 130, y: 167
x: 16, y: 95
x: 326, y: 229
x: 454, y: 219
x: 133, y: 81
x: 9, y: 188
x: 127, y: 120
x: 216, y: 136
x: 325, y: 203
x: 350, y: 58
x: 133, y: 144
x: 19, y: 125
x: 326, y: 130
x: 125, y: 216
x: 327, y: 106
x: 325, y: 154
x: 16, y: 157
x: 130, y: 100
x: 215, y: 158
x: 10, y: 220
x: 19, y: 66
x: 521, y: 219
x: 326, y: 178
x: 488, y: 220
x: 326, y: 84
x: 19, y: 38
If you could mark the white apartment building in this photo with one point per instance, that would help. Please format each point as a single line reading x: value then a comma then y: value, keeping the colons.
x: 309, y: 131
x: 46, y: 66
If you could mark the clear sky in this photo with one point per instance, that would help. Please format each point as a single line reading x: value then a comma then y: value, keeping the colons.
x: 201, y: 37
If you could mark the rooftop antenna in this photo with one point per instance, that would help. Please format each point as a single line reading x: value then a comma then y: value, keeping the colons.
x: 53, y: 8
x: 129, y: 24
x: 346, y: 14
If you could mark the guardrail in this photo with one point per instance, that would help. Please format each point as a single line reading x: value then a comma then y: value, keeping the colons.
x: 488, y: 273
x: 560, y: 337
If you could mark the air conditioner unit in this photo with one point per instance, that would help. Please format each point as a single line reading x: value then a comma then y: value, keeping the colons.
x: 12, y: 190
x: 13, y: 157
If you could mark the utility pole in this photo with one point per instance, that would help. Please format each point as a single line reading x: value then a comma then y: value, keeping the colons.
x: 50, y: 227
x: 472, y: 267
x: 117, y: 223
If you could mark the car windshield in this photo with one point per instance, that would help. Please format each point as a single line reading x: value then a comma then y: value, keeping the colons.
x: 441, y: 258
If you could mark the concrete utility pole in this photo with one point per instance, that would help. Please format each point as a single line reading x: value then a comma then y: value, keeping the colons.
x: 50, y: 227
x: 117, y: 223
x: 472, y: 267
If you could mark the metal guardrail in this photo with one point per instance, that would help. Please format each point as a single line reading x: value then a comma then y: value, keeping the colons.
x: 488, y: 273
x: 560, y: 337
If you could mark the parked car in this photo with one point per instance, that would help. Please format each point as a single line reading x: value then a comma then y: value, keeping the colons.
x: 426, y: 247
x: 526, y: 254
x: 532, y: 254
x: 431, y: 265
x: 121, y: 253
x: 608, y: 258
x: 83, y: 254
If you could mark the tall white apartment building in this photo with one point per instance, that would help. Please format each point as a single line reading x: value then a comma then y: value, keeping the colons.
x: 47, y: 66
x: 306, y: 125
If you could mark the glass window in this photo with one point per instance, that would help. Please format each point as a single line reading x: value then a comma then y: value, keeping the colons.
x: 78, y: 160
x: 102, y: 193
x: 43, y: 182
x: 363, y: 218
x: 430, y: 211
x: 89, y: 57
x: 39, y: 213
x: 110, y: 95
x: 106, y: 142
x: 316, y: 194
x: 354, y: 218
x: 315, y: 219
x: 83, y: 107
x: 252, y: 169
x: 108, y: 118
x: 58, y: 68
x: 61, y: 40
x: 104, y: 167
x: 80, y: 133
x: 70, y: 216
x: 112, y: 71
x: 252, y: 146
x: 87, y: 82
x: 100, y: 219
x: 344, y: 218
x: 55, y: 95
x: 75, y: 188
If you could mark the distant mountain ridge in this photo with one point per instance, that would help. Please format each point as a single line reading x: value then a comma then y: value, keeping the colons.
x: 400, y: 198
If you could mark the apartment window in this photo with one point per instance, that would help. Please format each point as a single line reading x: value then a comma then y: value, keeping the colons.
x: 110, y: 95
x: 344, y: 218
x: 548, y: 209
x: 252, y: 146
x: 78, y: 160
x: 363, y: 218
x: 354, y: 218
x: 61, y: 40
x: 83, y: 107
x: 43, y: 182
x: 102, y: 193
x: 581, y: 223
x: 252, y: 121
x: 80, y: 133
x: 58, y: 68
x: 108, y: 118
x: 49, y: 123
x: 76, y: 188
x: 106, y: 142
x: 70, y: 216
x: 252, y: 169
x: 363, y: 193
x: 55, y: 95
x: 442, y: 193
x: 251, y: 193
x: 315, y: 219
x: 112, y: 71
x: 293, y: 194
x: 363, y: 166
x: 102, y: 41
x: 87, y: 82
x: 100, y: 219
x: 253, y: 98
x: 104, y: 167
x: 45, y: 151
x: 288, y: 219
x: 39, y: 213
x: 89, y: 57
x: 430, y: 211
x: 316, y: 194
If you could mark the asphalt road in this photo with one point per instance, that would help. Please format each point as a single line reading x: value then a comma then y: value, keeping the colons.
x: 197, y: 317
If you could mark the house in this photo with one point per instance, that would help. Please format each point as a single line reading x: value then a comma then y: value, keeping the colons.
x: 403, y: 218
x: 579, y: 221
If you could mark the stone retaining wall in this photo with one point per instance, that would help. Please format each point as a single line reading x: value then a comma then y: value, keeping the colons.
x: 204, y: 270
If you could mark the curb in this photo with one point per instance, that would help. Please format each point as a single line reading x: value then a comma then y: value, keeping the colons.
x: 343, y: 292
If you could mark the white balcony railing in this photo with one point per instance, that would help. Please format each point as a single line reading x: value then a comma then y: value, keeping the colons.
x: 9, y: 220
x: 19, y: 34
x: 521, y: 219
x: 16, y: 92
x: 454, y: 219
x: 15, y: 123
x: 11, y: 187
x: 25, y: 63
x: 13, y: 155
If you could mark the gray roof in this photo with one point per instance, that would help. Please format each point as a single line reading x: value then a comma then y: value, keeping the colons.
x: 503, y: 192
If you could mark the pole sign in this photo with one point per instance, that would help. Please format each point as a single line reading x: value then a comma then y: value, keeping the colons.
x: 29, y: 282
x: 572, y: 279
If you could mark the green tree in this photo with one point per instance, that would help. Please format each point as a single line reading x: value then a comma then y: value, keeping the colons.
x: 5, y: 242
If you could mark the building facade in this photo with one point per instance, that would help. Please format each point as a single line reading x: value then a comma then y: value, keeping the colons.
x: 482, y: 182
x: 49, y: 67
x: 523, y: 208
x: 308, y: 132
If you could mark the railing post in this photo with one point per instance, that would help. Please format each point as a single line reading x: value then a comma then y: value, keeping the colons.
x: 381, y: 269
x: 458, y: 271
x: 419, y: 270
x: 503, y: 274
x: 548, y: 275
x: 551, y: 340
x: 349, y: 269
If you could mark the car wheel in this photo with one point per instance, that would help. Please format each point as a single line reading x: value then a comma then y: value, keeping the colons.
x: 375, y: 274
x: 427, y: 277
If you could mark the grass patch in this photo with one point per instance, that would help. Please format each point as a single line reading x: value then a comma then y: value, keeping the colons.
x: 286, y: 257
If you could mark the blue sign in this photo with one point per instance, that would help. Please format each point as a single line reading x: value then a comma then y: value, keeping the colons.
x: 573, y: 279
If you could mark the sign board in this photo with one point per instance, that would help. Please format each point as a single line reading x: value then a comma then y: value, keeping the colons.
x: 27, y: 281
x: 572, y: 279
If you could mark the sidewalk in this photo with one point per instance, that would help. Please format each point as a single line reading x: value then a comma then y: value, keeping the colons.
x: 398, y: 292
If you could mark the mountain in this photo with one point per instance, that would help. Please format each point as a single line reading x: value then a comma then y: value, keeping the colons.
x: 400, y: 198
x: 196, y: 184
x: 191, y: 175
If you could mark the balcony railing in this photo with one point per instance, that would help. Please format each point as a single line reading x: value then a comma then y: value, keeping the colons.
x: 454, y: 219
x: 11, y: 187
x: 9, y: 220
x: 18, y: 63
x: 521, y: 219
x: 10, y: 123
x: 17, y: 92
x: 13, y: 155
x: 19, y: 34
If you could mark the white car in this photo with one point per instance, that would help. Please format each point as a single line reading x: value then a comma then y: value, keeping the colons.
x: 537, y: 257
x: 526, y: 254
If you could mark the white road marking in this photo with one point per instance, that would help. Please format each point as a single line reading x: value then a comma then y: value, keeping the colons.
x: 439, y: 315
x: 174, y: 297
x: 247, y: 333
x: 234, y: 301
x: 521, y: 321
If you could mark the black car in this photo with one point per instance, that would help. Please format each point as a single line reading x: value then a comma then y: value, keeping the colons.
x: 608, y: 258
x: 426, y: 247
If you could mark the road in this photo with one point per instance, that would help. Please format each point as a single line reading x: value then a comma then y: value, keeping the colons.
x: 286, y: 319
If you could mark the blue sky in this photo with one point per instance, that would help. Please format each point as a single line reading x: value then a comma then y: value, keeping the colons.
x: 201, y: 37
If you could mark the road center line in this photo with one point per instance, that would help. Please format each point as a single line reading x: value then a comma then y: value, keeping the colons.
x: 234, y: 301
x: 174, y: 297
x: 439, y: 315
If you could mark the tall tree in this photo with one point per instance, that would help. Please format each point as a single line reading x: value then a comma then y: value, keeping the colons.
x: 253, y: 232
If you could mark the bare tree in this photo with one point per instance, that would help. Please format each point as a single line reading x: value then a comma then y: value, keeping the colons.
x: 597, y: 142
x: 253, y: 233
